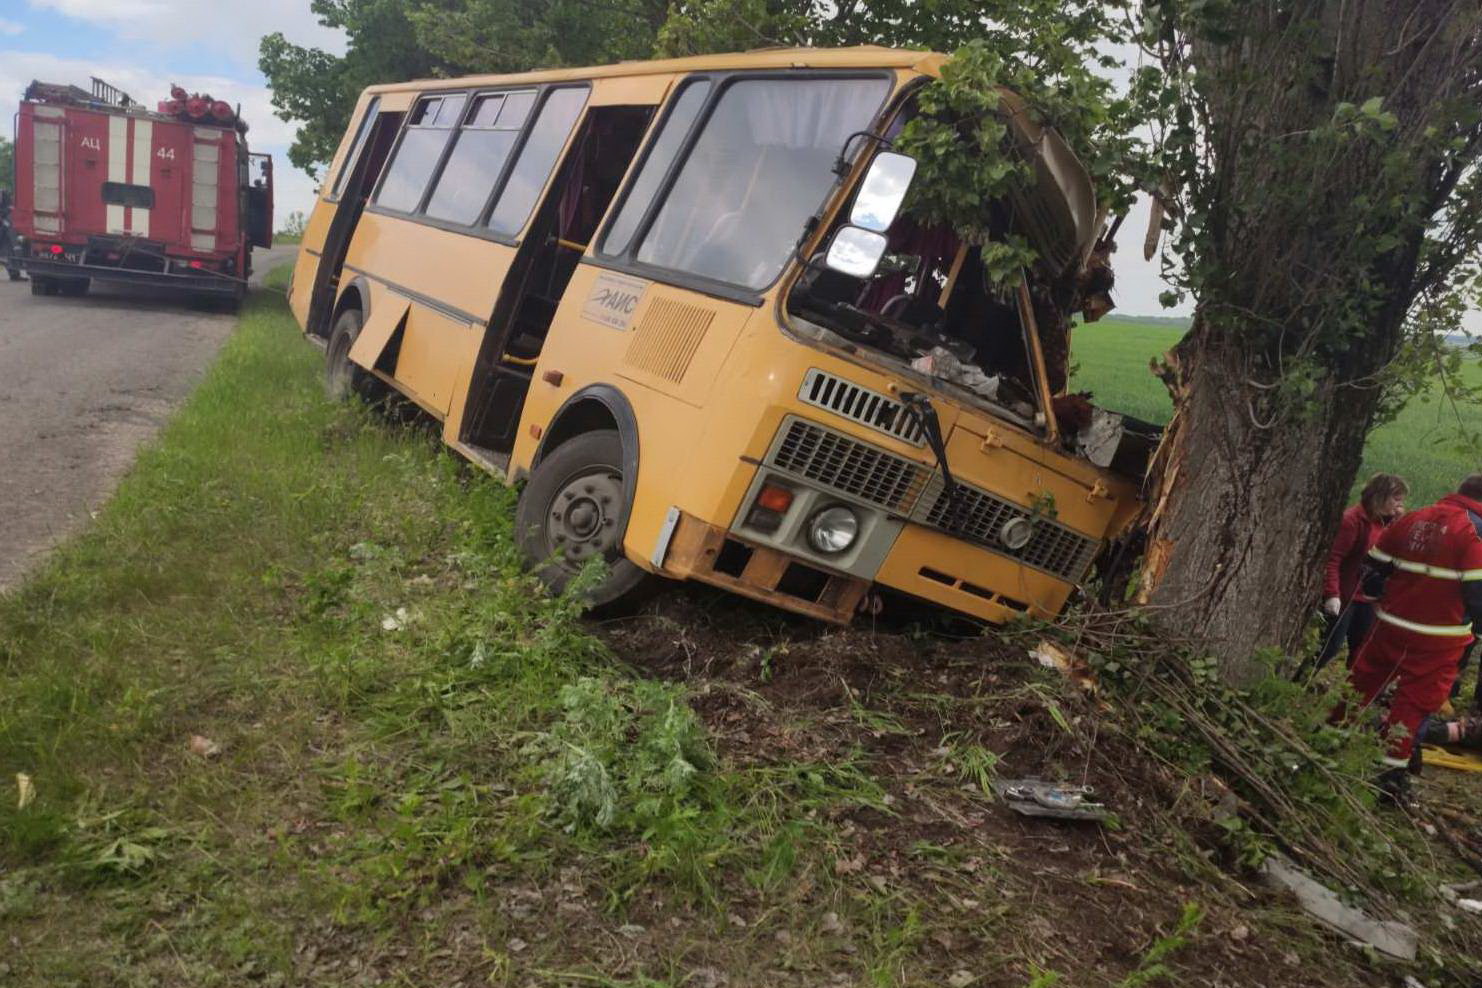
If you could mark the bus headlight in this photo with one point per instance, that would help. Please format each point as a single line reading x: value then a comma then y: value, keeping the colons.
x: 1016, y: 533
x: 833, y: 530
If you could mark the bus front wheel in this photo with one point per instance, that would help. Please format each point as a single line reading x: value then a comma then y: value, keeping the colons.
x: 573, y: 509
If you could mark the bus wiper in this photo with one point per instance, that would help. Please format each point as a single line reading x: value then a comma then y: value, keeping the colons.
x: 919, y: 408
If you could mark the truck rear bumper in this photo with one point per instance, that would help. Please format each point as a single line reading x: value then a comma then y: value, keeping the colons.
x: 215, y: 284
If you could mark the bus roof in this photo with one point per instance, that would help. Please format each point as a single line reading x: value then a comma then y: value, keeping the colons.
x: 858, y: 57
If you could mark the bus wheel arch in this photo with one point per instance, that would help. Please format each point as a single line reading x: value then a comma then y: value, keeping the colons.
x: 355, y: 296
x: 592, y: 442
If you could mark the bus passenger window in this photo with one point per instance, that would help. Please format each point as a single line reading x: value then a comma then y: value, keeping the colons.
x: 761, y: 166
x: 479, y: 152
x: 416, y: 156
x: 547, y: 137
x: 660, y: 157
x: 354, y: 153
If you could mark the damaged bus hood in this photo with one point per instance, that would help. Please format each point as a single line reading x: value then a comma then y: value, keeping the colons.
x: 1058, y: 211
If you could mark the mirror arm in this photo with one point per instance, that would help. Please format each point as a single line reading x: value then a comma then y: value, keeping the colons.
x: 841, y: 163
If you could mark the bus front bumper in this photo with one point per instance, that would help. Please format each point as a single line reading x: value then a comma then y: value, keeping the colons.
x: 694, y: 550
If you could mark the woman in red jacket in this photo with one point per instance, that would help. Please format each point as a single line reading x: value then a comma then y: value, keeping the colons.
x: 1348, y: 613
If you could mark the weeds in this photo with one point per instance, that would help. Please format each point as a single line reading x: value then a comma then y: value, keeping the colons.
x: 1152, y: 967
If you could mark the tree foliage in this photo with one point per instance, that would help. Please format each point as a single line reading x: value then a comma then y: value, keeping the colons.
x: 7, y: 163
x: 318, y: 89
x: 394, y: 40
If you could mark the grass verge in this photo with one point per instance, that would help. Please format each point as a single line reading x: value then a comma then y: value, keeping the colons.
x: 292, y: 714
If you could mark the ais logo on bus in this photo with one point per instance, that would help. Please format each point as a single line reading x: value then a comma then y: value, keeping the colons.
x: 613, y: 300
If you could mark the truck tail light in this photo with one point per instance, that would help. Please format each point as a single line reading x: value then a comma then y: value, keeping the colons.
x: 56, y: 248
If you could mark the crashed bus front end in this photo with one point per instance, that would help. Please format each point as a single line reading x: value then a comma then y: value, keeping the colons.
x: 922, y: 438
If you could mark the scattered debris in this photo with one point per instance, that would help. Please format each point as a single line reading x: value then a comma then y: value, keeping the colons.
x: 397, y: 621
x: 1470, y: 905
x: 831, y: 924
x: 25, y: 791
x: 1389, y: 937
x: 1452, y: 892
x: 1074, y: 668
x: 939, y: 362
x: 204, y: 746
x: 961, y: 979
x: 1099, y: 440
x: 1035, y: 797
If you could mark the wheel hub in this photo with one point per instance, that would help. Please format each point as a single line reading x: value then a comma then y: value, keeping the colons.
x: 583, y: 518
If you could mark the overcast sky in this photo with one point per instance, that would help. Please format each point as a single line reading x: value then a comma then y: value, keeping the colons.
x: 142, y: 46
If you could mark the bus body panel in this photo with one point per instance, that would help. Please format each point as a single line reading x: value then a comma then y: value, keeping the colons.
x: 452, y: 280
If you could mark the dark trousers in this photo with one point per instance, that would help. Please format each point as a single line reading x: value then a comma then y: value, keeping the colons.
x: 1351, y: 626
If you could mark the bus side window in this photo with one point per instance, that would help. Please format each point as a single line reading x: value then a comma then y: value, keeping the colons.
x: 416, y: 157
x: 533, y: 166
x: 361, y: 133
x: 661, y: 155
x: 480, y: 151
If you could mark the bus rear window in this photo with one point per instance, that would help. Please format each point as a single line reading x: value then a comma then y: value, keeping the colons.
x: 761, y: 166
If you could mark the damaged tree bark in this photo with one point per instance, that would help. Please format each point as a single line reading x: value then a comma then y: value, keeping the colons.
x: 1242, y: 509
x: 1326, y: 171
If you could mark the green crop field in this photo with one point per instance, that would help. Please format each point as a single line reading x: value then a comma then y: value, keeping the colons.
x: 1424, y: 444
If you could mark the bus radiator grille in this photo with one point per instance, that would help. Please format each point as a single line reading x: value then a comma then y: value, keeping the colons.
x: 823, y: 390
x: 858, y: 469
x: 1055, y: 549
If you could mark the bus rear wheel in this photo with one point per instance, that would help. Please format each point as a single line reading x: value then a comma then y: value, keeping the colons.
x: 343, y: 377
x: 574, y: 508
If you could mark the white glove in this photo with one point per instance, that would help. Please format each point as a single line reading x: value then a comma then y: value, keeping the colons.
x: 1332, y: 606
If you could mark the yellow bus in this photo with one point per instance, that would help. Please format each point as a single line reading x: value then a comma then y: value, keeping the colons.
x: 679, y: 304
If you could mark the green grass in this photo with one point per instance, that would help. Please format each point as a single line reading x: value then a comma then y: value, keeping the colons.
x: 404, y: 719
x: 1423, y: 444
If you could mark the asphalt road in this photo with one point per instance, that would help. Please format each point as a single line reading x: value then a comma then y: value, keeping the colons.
x: 83, y: 382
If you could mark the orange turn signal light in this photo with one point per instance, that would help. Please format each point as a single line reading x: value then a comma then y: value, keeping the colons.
x: 774, y: 498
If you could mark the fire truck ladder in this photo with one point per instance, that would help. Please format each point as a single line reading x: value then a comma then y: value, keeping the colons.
x: 110, y: 94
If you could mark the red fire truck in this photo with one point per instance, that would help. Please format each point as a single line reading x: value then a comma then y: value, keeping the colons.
x: 107, y: 190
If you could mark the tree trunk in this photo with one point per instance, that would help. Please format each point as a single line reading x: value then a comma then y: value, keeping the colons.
x: 1330, y: 137
x: 1242, y: 509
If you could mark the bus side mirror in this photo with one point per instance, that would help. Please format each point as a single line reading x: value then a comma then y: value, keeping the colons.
x: 855, y: 251
x: 882, y: 191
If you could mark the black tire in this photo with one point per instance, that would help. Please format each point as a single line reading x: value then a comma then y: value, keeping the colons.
x: 574, y: 507
x: 12, y: 272
x: 43, y: 286
x: 342, y: 378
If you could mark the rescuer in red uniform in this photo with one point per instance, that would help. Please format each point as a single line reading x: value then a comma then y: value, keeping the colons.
x: 1425, y: 576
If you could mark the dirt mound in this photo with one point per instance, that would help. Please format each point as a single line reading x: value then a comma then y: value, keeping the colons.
x: 933, y: 716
